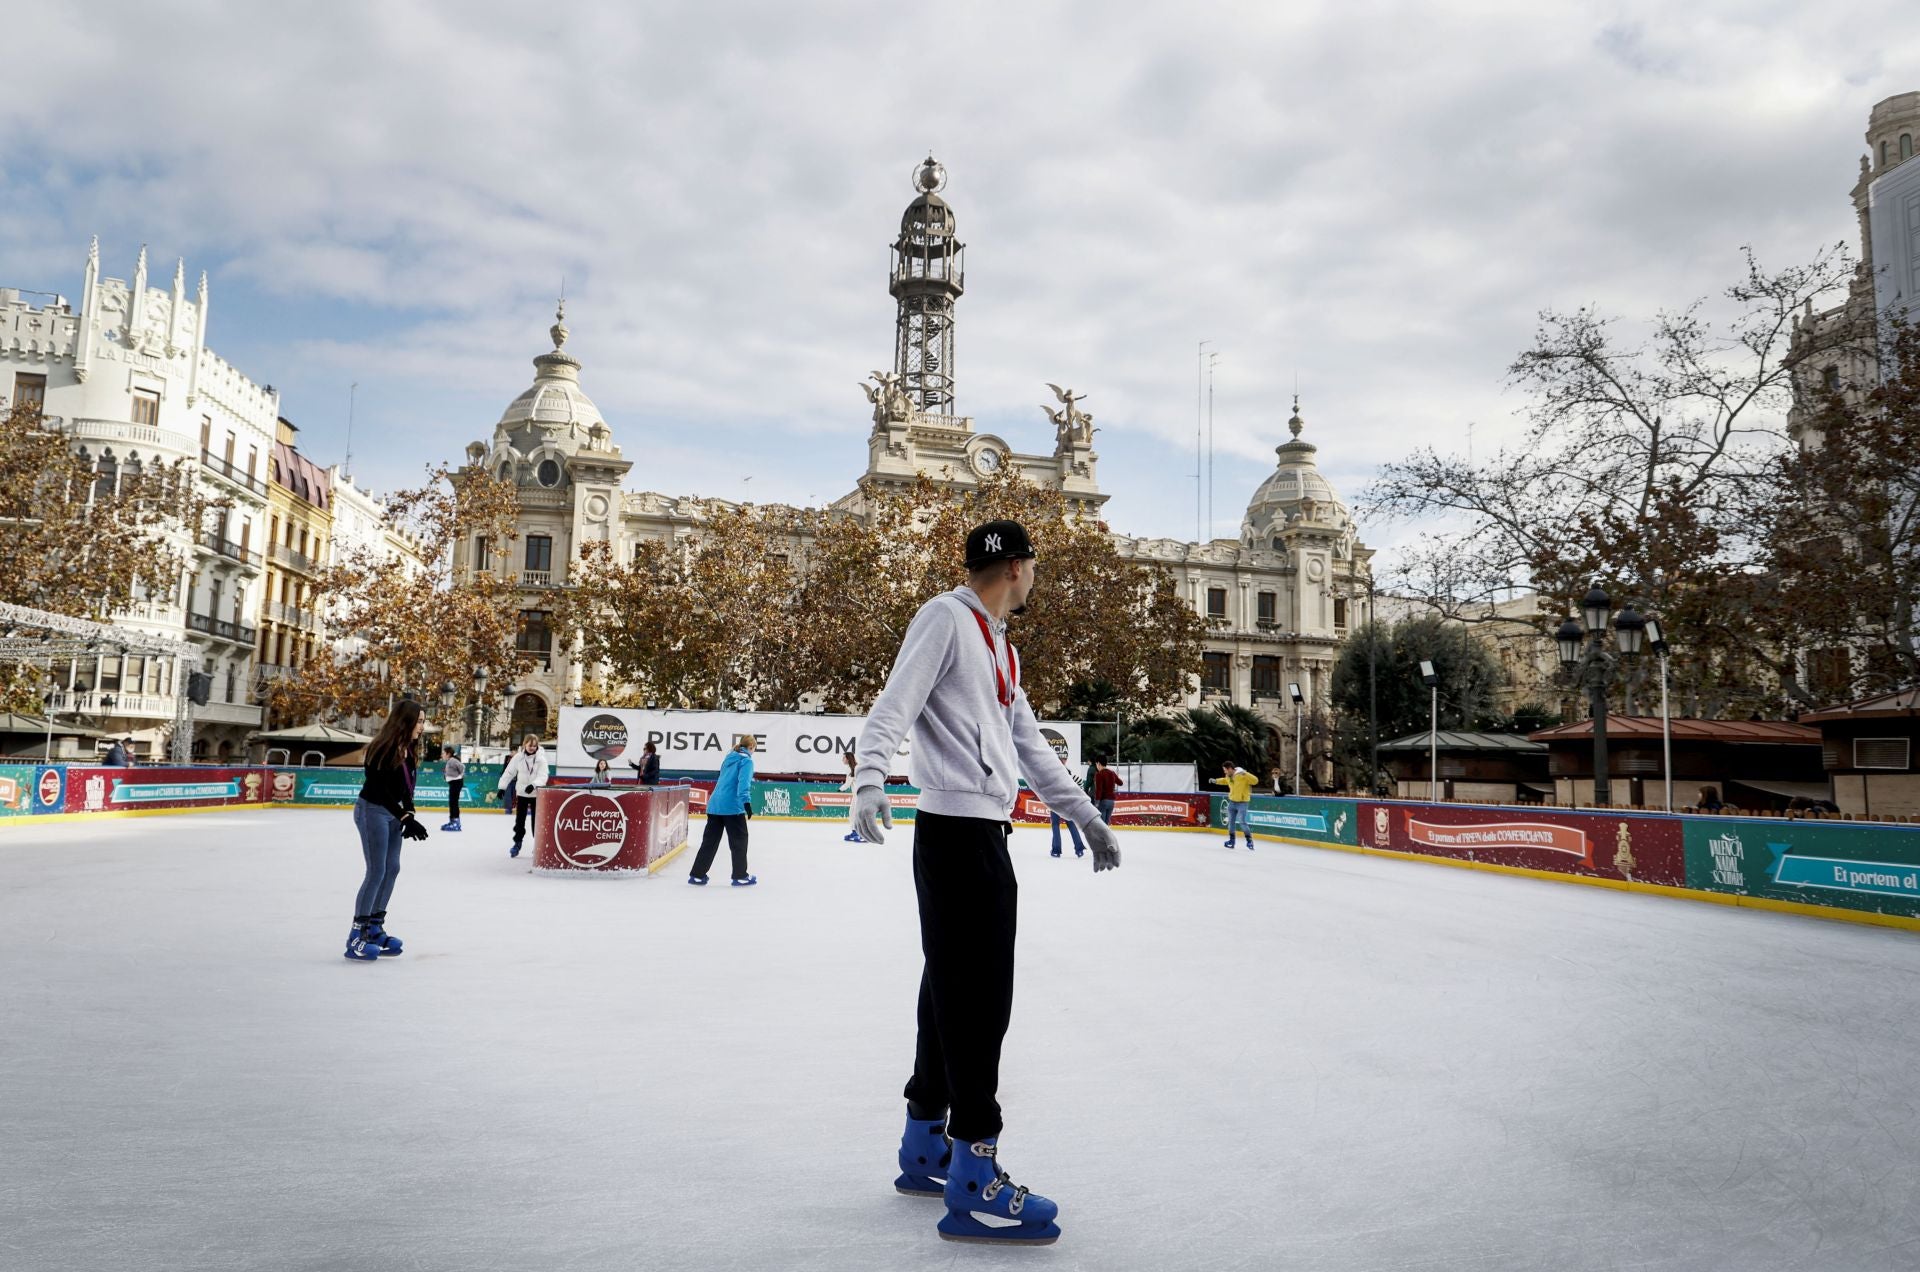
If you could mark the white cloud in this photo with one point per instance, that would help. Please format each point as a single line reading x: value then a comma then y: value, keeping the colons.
x: 1377, y: 198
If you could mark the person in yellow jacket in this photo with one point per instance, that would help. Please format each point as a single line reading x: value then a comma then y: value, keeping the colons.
x: 1239, y: 784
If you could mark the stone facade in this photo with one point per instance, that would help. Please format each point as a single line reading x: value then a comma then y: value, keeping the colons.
x: 298, y: 547
x: 128, y: 375
x: 1281, y: 597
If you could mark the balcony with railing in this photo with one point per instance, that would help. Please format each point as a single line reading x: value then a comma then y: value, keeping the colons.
x: 291, y: 557
x: 536, y: 578
x: 111, y: 703
x: 128, y: 432
x: 214, y: 541
x: 293, y: 616
x: 220, y: 628
x: 220, y: 467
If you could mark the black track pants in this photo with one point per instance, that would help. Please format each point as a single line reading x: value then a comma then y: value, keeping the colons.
x: 968, y: 902
x: 735, y: 824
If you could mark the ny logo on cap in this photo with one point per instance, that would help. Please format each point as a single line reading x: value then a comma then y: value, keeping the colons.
x: 993, y: 543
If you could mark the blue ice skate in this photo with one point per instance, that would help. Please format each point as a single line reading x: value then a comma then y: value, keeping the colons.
x: 1229, y: 841
x: 453, y: 825
x: 378, y: 936
x: 747, y: 882
x: 698, y: 881
x: 978, y: 1190
x: 357, y: 947
x: 925, y: 1151
x: 852, y: 837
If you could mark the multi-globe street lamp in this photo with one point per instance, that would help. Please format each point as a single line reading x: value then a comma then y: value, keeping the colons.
x: 1585, y: 656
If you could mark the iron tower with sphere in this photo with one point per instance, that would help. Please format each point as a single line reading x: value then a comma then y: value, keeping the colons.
x: 929, y: 273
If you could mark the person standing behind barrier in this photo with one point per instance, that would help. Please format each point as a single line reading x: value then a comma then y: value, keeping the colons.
x: 728, y: 809
x: 116, y: 756
x: 1106, y: 788
x: 648, y: 766
x: 1239, y: 784
x: 384, y: 816
x: 525, y: 771
x: 456, y: 779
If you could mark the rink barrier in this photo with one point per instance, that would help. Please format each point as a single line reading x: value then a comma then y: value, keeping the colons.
x: 1859, y: 872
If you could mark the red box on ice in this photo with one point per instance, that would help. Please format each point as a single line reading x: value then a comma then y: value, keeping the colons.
x: 624, y: 830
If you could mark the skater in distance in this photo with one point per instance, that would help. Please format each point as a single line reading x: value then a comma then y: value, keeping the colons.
x: 384, y: 816
x: 525, y: 771
x: 956, y: 687
x: 728, y: 809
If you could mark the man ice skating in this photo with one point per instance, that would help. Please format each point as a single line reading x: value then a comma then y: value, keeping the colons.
x: 728, y: 809
x: 525, y: 771
x: 1239, y: 784
x: 956, y: 687
x: 456, y: 774
x: 1106, y: 788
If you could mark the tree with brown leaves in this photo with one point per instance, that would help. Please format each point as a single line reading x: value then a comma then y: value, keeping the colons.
x: 84, y: 537
x: 1841, y: 521
x: 1633, y: 472
x: 401, y: 624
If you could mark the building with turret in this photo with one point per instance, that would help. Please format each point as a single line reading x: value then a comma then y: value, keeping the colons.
x: 1280, y: 598
x: 129, y: 377
x: 1886, y: 205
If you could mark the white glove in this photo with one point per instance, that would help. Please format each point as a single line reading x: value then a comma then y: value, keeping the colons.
x: 1105, y: 845
x: 872, y: 810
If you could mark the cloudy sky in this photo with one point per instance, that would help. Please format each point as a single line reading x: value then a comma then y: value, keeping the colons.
x: 1373, y: 198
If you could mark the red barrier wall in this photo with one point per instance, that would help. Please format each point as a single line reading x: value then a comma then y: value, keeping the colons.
x: 607, y: 829
x: 1603, y: 844
x: 98, y: 790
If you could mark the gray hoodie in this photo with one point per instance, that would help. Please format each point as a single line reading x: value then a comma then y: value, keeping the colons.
x: 967, y: 748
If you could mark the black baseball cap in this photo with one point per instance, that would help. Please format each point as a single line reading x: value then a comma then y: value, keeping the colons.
x: 998, y: 541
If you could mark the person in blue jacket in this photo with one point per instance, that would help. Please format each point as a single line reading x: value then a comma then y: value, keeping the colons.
x: 728, y: 809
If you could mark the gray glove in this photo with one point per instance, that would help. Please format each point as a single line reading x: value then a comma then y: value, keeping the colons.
x: 1105, y: 845
x: 871, y: 811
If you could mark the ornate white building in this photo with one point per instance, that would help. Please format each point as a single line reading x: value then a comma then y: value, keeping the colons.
x: 128, y: 375
x: 1280, y: 598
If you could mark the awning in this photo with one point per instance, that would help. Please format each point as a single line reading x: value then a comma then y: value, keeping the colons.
x: 1792, y: 790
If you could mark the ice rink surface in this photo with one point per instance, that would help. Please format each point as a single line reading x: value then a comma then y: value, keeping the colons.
x: 1295, y: 1058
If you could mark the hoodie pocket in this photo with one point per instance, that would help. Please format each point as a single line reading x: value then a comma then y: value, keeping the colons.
x: 996, y: 764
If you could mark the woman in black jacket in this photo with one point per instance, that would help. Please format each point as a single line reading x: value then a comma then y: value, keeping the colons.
x: 650, y: 770
x: 384, y: 815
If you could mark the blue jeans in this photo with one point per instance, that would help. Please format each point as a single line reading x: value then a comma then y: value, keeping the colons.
x: 380, y: 843
x: 1237, y: 816
x: 1078, y: 847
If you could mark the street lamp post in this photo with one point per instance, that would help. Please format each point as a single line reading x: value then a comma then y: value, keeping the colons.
x: 1584, y: 653
x: 1432, y: 680
x: 1657, y: 644
x: 1293, y: 687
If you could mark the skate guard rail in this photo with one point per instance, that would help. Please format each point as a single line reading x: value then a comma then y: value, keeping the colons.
x: 1865, y: 871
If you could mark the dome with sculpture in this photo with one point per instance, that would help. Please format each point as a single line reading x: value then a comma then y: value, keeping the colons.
x: 554, y: 407
x: 1295, y: 493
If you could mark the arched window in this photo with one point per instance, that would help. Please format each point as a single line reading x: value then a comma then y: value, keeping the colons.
x: 105, y: 474
x: 529, y: 716
x: 1906, y: 147
x: 1883, y: 153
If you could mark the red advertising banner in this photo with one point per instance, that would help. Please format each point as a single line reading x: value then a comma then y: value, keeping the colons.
x: 1130, y: 810
x: 1609, y: 845
x: 102, y: 790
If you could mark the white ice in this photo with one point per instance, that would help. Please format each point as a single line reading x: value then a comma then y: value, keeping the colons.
x: 1294, y: 1058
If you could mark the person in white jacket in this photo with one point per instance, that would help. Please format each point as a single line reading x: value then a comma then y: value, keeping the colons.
x: 956, y: 687
x: 523, y: 773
